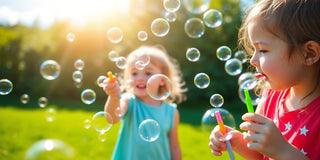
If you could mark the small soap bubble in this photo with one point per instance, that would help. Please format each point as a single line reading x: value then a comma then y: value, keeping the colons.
x: 216, y: 100
x: 78, y: 84
x: 201, y: 80
x: 102, y: 121
x: 233, y: 66
x: 88, y: 96
x: 159, y: 87
x: 119, y: 112
x: 224, y: 53
x: 121, y: 62
x: 254, y: 97
x: 77, y: 76
x: 247, y: 81
x: 50, y: 69
x: 50, y: 149
x: 70, y: 37
x: 212, y: 18
x: 115, y: 35
x: 6, y: 86
x: 79, y: 64
x: 50, y: 114
x: 209, y: 121
x: 142, y: 60
x: 171, y: 5
x: 193, y: 54
x: 196, y: 6
x: 149, y: 130
x: 100, y: 81
x: 113, y: 55
x: 170, y: 16
x: 160, y: 27
x: 241, y: 55
x: 24, y: 98
x: 194, y: 28
x: 142, y: 35
x: 42, y: 102
x: 87, y: 123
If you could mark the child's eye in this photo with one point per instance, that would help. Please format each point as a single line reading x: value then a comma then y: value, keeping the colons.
x: 134, y: 73
x: 263, y: 51
x: 148, y: 73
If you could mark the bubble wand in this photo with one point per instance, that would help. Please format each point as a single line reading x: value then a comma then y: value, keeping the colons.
x: 248, y: 101
x: 112, y: 79
x: 223, y: 131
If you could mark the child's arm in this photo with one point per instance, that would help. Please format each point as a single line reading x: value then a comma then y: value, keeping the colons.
x: 173, y: 138
x: 264, y: 137
x: 114, y: 105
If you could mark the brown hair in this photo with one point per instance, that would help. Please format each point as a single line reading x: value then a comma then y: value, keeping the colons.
x: 168, y: 66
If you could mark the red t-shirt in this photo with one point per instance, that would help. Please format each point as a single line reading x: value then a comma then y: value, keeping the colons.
x: 300, y: 127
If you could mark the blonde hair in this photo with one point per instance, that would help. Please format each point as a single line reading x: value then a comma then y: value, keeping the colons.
x: 167, y: 65
x: 293, y: 21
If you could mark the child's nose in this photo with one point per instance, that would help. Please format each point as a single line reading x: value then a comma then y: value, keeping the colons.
x: 254, y: 60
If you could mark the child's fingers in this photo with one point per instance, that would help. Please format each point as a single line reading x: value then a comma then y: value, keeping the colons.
x: 253, y: 117
x: 251, y: 126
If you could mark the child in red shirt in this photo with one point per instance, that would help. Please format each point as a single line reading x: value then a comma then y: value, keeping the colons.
x: 283, y: 38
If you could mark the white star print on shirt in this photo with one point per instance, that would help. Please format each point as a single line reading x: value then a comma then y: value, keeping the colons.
x: 303, y: 152
x: 304, y: 131
x: 288, y: 126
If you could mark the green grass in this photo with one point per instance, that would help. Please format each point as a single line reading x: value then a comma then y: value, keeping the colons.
x: 20, y: 128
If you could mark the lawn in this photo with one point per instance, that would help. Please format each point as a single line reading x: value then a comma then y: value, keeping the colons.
x: 21, y: 127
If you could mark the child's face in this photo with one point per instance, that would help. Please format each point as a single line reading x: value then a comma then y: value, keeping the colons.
x: 139, y: 78
x: 271, y: 58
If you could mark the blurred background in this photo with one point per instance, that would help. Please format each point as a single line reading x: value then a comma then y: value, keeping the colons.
x: 33, y: 31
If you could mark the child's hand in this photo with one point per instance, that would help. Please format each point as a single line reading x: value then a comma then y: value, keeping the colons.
x: 216, y: 145
x: 111, y: 89
x: 263, y: 135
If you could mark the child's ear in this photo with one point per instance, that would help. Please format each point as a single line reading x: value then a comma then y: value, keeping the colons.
x: 311, y: 52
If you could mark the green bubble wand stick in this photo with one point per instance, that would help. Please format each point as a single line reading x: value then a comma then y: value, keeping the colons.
x: 248, y: 101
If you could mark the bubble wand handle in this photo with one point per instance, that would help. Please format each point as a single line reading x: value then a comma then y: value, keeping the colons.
x: 223, y: 131
x: 248, y: 101
x: 112, y: 79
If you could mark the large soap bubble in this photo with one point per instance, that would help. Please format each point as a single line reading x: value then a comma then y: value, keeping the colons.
x: 160, y: 27
x: 149, y: 130
x: 159, y: 87
x: 194, y: 28
x: 209, y: 121
x: 50, y: 69
x: 5, y: 86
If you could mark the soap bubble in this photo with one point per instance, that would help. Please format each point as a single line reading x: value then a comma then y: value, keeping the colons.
x: 233, y: 66
x: 102, y: 121
x: 194, y: 28
x: 87, y: 123
x: 70, y: 37
x: 50, y: 149
x: 170, y: 16
x: 142, y: 35
x: 193, y: 54
x: 201, y: 80
x: 121, y: 62
x: 149, y: 130
x: 216, y: 100
x: 50, y: 69
x: 5, y: 86
x: 77, y: 76
x: 159, y: 87
x: 42, y: 102
x: 196, y: 6
x: 209, y: 121
x: 241, y: 55
x: 254, y: 97
x: 160, y: 27
x: 171, y: 5
x: 79, y: 64
x: 212, y: 18
x: 50, y: 114
x: 224, y: 53
x: 24, y: 98
x: 103, y: 136
x: 88, y: 96
x: 100, y: 81
x: 142, y: 60
x: 247, y: 81
x: 115, y: 35
x: 113, y: 55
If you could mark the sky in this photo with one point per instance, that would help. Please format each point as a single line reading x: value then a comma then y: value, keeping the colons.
x: 46, y: 12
